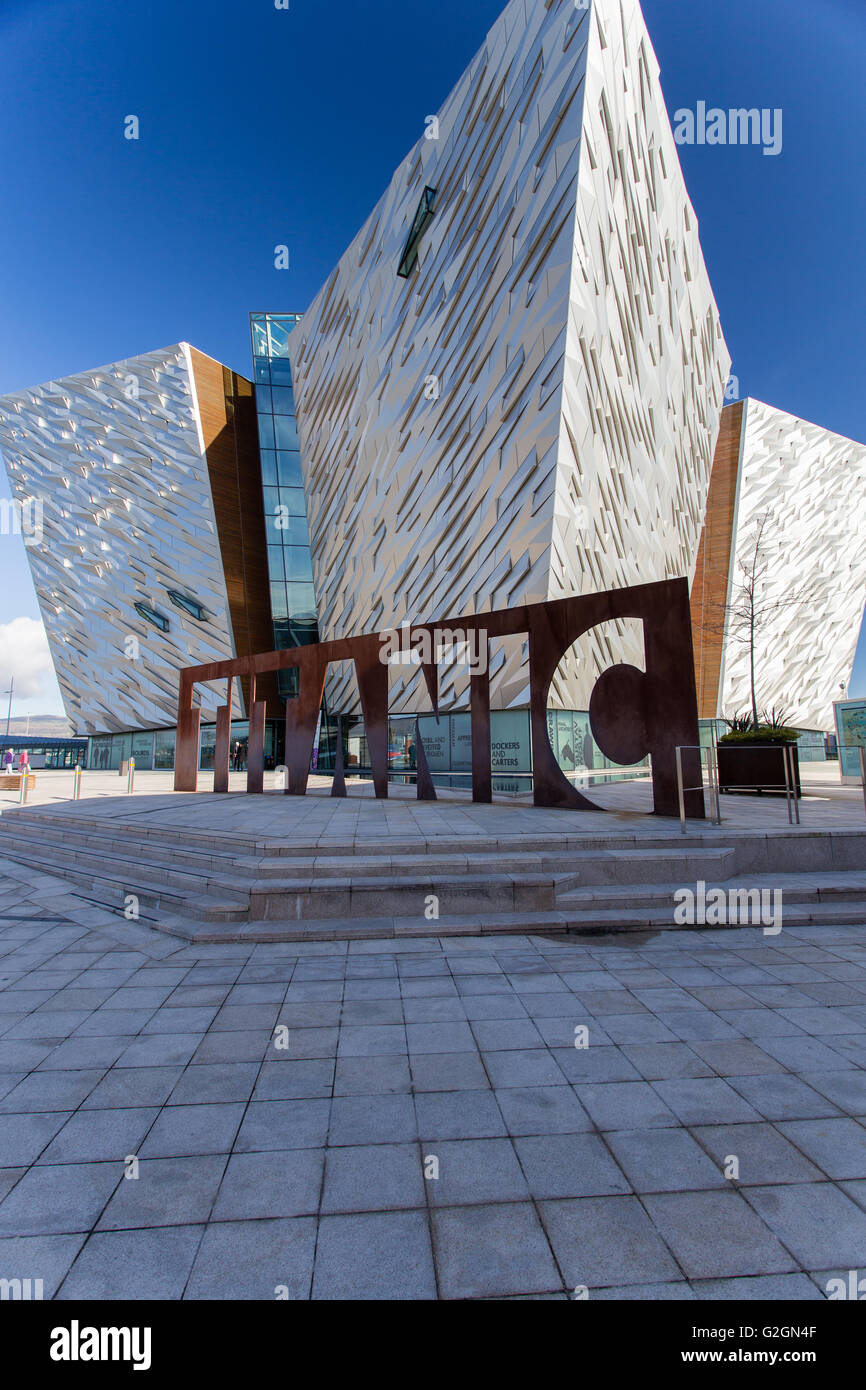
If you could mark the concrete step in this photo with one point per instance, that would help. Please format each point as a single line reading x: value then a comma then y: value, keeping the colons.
x: 250, y: 859
x: 652, y: 865
x: 112, y: 888
x: 845, y: 887
x: 77, y: 825
x: 585, y: 866
x: 127, y: 846
x: 355, y: 898
x: 59, y: 859
x: 615, y: 919
x: 410, y: 865
x: 318, y: 888
x: 613, y: 922
x: 228, y: 887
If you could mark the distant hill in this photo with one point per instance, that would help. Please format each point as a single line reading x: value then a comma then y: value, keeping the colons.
x: 40, y: 725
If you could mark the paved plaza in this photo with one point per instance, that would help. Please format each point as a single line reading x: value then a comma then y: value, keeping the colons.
x: 826, y: 805
x: 413, y: 1120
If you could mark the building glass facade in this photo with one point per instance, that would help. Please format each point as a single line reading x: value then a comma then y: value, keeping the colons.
x: 293, y: 600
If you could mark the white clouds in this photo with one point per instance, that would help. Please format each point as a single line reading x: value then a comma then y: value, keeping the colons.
x: 24, y: 654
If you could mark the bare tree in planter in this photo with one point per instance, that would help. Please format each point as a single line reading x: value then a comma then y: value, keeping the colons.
x: 749, y: 612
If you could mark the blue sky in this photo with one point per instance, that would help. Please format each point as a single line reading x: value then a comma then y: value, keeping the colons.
x: 262, y: 126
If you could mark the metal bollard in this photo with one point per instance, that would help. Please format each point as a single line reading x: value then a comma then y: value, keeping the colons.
x: 76, y: 783
x: 22, y: 791
x: 863, y: 770
x: 130, y: 776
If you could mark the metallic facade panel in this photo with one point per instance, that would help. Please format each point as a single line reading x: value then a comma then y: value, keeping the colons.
x: 809, y: 483
x: 532, y: 412
x: 645, y: 363
x: 117, y: 457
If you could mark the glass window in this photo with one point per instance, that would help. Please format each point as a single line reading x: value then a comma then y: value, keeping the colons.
x: 423, y: 218
x: 302, y: 631
x: 208, y: 746
x: 281, y: 371
x: 189, y: 605
x: 142, y: 751
x: 157, y: 619
x: 295, y: 532
x: 279, y: 607
x: 289, y: 466
x: 298, y: 564
x: 436, y: 738
x: 279, y: 337
x: 284, y: 400
x: 266, y: 431
x: 163, y: 755
x: 286, y: 430
x: 272, y: 501
x: 275, y: 562
x: 302, y: 601
x: 510, y: 741
x: 262, y: 370
x: 100, y: 752
x: 121, y: 747
x: 565, y: 738
x: 263, y: 400
x: 259, y: 330
x: 269, y: 467
x: 293, y: 498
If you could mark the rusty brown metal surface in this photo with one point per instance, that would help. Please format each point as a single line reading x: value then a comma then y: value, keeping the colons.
x: 186, y: 744
x: 302, y: 716
x: 222, y: 748
x: 256, y: 748
x: 632, y: 713
x: 479, y: 709
x: 372, y: 676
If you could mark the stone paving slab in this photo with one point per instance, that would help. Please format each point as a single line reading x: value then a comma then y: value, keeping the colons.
x: 412, y: 1119
x: 405, y: 824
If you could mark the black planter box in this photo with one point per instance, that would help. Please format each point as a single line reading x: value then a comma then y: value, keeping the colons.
x: 756, y: 767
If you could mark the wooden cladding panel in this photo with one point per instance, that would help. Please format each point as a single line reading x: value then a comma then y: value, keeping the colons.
x: 710, y: 588
x: 227, y: 411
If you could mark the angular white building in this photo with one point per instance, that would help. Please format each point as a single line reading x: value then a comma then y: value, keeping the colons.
x: 141, y: 567
x: 787, y: 501
x: 509, y: 388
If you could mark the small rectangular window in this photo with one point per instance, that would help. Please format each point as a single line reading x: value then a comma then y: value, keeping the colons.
x: 423, y: 218
x: 189, y: 605
x: 152, y: 616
